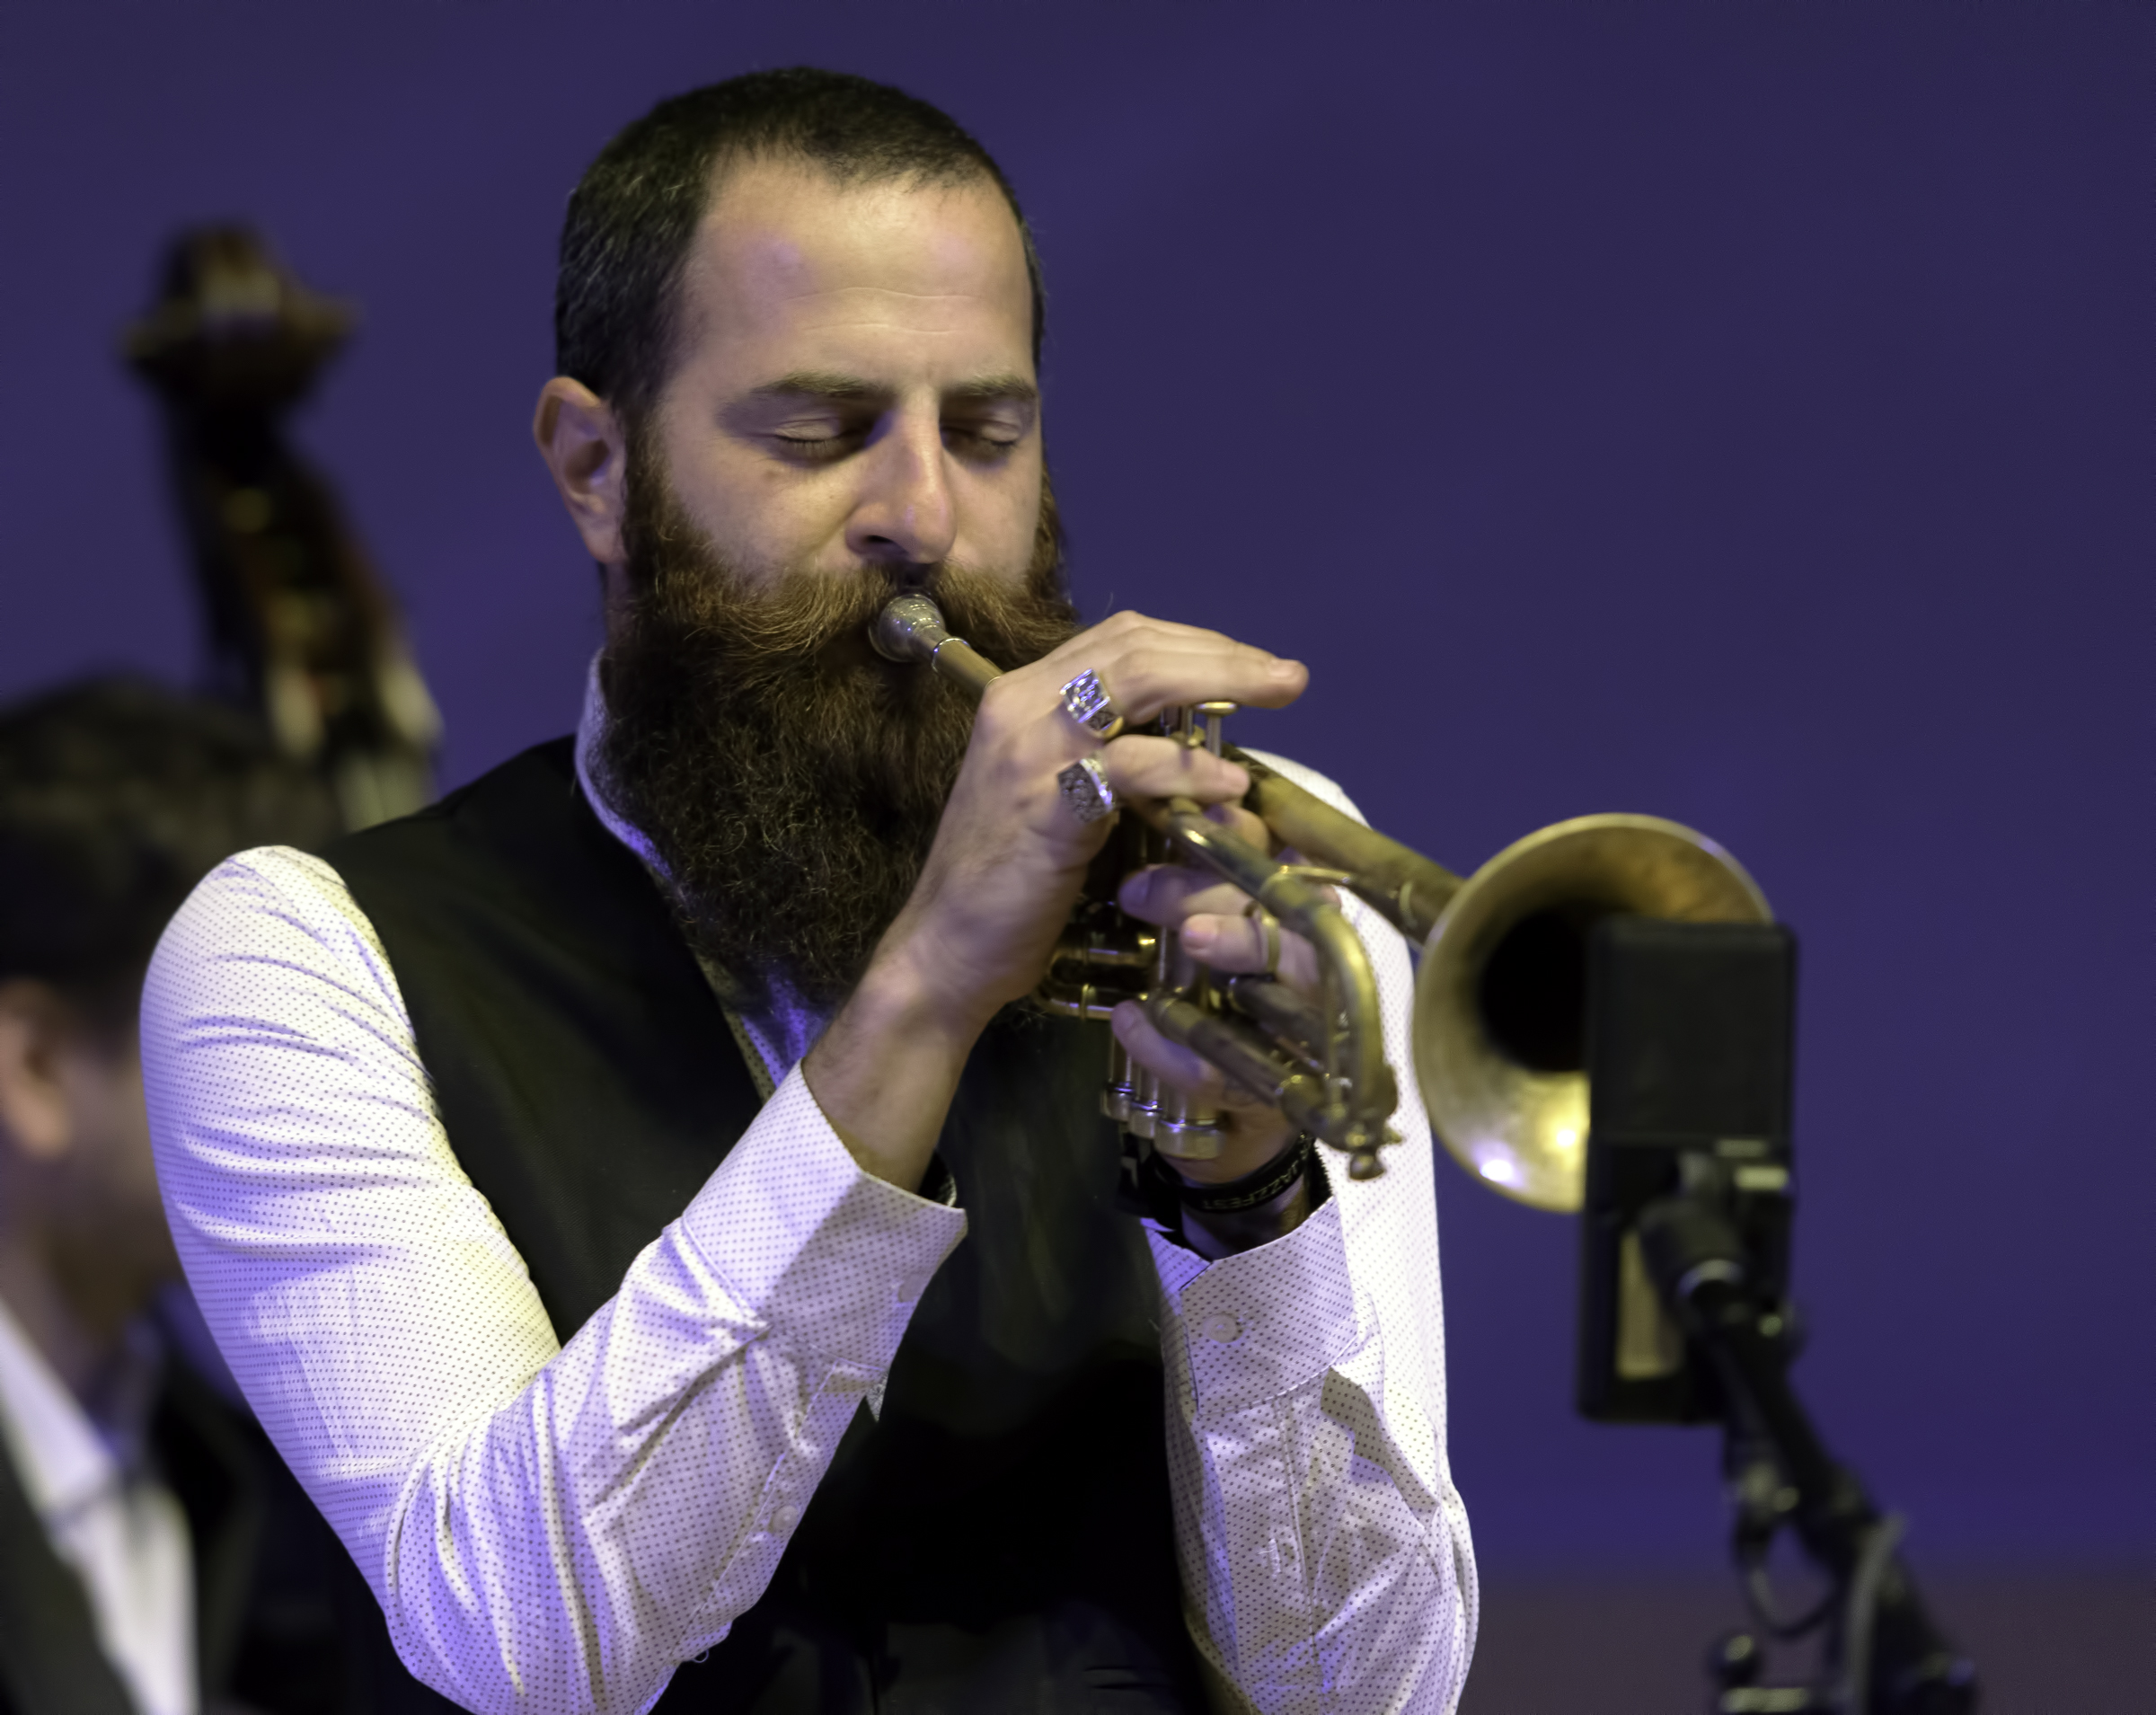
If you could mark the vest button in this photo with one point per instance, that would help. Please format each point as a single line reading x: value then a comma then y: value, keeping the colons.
x: 783, y: 1518
x: 1221, y: 1328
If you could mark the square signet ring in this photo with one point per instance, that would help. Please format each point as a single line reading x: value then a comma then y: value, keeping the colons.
x: 1086, y: 700
x: 1086, y: 792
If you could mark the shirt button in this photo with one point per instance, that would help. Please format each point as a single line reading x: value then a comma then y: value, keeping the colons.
x: 1221, y: 1328
x: 783, y: 1518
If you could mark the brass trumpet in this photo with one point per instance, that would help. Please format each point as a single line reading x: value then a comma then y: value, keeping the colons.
x: 1499, y: 999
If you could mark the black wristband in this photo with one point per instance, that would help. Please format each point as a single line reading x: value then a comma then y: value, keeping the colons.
x: 1279, y: 1175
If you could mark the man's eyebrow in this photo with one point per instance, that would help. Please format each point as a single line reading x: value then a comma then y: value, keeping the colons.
x: 989, y: 390
x: 832, y: 385
x: 820, y: 383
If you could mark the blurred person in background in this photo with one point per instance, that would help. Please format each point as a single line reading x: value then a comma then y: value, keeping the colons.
x: 155, y: 1555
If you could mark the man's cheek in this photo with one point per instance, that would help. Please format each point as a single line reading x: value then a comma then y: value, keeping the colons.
x: 787, y: 530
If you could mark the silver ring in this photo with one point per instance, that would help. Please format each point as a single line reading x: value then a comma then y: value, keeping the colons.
x: 1086, y: 792
x: 1087, y: 702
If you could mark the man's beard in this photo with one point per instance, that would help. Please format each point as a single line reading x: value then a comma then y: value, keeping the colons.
x: 787, y: 778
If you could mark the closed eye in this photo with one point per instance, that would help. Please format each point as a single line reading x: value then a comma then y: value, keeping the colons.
x: 989, y: 441
x: 811, y: 448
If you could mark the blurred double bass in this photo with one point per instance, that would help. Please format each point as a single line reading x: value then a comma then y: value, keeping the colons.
x: 300, y: 627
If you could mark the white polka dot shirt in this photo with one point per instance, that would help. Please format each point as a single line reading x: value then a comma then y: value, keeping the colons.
x: 555, y: 1527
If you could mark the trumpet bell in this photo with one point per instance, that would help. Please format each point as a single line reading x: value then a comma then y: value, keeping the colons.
x: 1500, y: 1004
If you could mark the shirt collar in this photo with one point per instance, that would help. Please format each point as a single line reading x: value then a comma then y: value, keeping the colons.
x: 591, y: 727
x: 65, y: 1463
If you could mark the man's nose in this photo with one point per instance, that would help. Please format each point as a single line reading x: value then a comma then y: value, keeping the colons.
x: 905, y: 509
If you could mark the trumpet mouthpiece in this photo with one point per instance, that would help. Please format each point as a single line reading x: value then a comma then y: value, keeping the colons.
x: 910, y: 628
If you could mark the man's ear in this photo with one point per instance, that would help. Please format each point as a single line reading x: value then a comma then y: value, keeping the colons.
x: 37, y: 1110
x: 584, y: 447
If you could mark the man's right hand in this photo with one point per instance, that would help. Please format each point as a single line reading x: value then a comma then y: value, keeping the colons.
x: 1006, y: 867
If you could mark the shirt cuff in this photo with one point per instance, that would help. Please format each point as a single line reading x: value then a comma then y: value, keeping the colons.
x: 1265, y: 1321
x: 827, y: 1254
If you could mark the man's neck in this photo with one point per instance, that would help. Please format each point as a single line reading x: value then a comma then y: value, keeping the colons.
x: 76, y: 1309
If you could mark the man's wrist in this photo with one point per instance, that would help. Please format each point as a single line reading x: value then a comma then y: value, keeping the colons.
x: 1219, y: 1220
x: 884, y: 1073
x: 902, y: 991
x: 1262, y: 1187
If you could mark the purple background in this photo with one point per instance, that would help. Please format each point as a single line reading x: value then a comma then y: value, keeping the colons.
x: 1736, y: 412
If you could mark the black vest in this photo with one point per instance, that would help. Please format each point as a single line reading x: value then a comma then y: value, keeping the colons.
x: 1001, y: 1539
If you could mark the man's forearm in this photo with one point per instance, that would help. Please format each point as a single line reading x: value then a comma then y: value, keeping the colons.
x: 885, y: 1072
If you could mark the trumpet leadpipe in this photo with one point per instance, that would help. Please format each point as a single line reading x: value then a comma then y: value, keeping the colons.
x: 1408, y: 889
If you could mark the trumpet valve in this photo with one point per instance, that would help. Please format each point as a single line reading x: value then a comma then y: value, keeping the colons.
x: 1193, y: 1137
x: 1119, y: 1090
x: 1145, y: 1106
x: 1212, y: 713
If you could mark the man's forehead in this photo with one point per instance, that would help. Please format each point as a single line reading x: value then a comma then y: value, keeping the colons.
x: 784, y: 249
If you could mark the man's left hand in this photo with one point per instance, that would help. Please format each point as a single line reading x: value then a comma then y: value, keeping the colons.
x: 1220, y: 934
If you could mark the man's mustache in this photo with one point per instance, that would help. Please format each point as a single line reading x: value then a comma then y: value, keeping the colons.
x: 819, y: 621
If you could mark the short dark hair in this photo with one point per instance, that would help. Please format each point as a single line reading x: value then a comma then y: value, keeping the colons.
x: 633, y: 215
x: 116, y: 797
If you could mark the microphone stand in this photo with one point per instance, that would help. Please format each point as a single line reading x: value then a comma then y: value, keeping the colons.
x: 1883, y: 1655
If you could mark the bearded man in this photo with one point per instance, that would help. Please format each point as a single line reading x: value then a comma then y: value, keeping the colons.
x: 695, y: 1041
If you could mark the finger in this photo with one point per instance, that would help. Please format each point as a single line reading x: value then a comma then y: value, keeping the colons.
x: 1241, y: 946
x: 1175, y: 1066
x: 1237, y: 945
x: 1217, y: 927
x: 1099, y: 648
x: 1125, y: 630
x: 1148, y: 664
x: 1170, y: 1062
x: 1142, y: 765
x: 1150, y: 674
x: 1246, y: 826
x: 1167, y: 893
